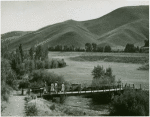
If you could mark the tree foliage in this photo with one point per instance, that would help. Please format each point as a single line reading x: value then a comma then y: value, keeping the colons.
x: 107, y: 48
x: 65, y: 48
x: 130, y: 103
x: 39, y: 77
x: 146, y: 43
x: 8, y: 78
x: 131, y: 48
x: 102, y: 76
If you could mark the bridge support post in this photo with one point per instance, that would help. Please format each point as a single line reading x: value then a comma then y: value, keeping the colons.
x: 62, y: 98
x: 40, y: 93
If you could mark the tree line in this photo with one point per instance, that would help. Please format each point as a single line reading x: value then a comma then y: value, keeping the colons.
x: 65, y: 48
x: 132, y: 48
x: 93, y: 47
x: 23, y: 62
x: 88, y: 48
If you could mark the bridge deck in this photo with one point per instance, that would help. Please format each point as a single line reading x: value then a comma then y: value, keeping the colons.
x: 83, y: 92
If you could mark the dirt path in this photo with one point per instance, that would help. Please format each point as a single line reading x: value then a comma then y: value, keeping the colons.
x: 15, y: 106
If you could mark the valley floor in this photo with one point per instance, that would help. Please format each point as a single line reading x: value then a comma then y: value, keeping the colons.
x: 80, y: 71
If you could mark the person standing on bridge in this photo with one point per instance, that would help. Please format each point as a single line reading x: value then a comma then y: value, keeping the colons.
x: 52, y: 87
x: 45, y: 90
x: 56, y: 87
x: 63, y: 87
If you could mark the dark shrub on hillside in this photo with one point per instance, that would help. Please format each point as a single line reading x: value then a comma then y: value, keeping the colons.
x: 130, y: 103
x: 31, y: 110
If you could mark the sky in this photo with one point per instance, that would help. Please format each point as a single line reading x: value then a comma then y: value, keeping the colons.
x: 33, y: 15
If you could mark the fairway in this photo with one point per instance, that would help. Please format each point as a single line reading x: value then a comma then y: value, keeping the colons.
x: 80, y: 71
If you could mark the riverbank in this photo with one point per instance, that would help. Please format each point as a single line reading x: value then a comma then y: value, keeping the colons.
x: 49, y: 108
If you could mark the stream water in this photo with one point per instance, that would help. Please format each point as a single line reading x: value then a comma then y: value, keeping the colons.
x: 83, y: 102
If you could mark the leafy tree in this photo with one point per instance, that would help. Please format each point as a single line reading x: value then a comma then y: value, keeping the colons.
x: 21, y: 52
x: 108, y: 72
x: 94, y: 46
x: 130, y: 103
x: 38, y: 52
x: 98, y: 72
x: 102, y: 77
x: 107, y: 48
x: 130, y: 48
x: 88, y: 47
x: 8, y: 78
x: 65, y: 48
x: 31, y: 53
x: 137, y: 49
x: 18, y: 56
x: 100, y: 49
x: 146, y: 43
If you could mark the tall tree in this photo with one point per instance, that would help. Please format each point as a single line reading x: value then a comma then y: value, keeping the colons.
x: 31, y: 53
x: 130, y: 48
x: 100, y: 49
x: 21, y: 52
x: 94, y: 46
x: 107, y: 48
x: 88, y: 47
x: 146, y: 43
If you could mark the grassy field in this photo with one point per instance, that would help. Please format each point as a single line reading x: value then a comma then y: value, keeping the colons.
x: 119, y: 59
x: 80, y: 71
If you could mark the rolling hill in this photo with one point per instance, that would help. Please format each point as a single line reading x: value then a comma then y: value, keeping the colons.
x: 117, y: 28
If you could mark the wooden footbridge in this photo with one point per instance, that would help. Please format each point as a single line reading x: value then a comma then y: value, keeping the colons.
x: 92, y: 90
x: 75, y: 93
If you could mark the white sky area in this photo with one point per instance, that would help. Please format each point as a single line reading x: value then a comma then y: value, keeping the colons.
x: 33, y: 15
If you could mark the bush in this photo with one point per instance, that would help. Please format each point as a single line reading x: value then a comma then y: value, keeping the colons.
x: 39, y: 77
x: 31, y: 65
x: 102, y: 77
x: 130, y: 103
x: 98, y: 72
x: 52, y: 107
x: 31, y: 110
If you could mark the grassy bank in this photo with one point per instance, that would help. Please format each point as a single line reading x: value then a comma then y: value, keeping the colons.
x: 41, y: 107
x: 120, y: 59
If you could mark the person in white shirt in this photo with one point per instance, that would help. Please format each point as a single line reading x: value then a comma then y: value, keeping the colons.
x: 45, y: 90
x: 63, y: 87
x: 52, y: 87
x: 56, y: 87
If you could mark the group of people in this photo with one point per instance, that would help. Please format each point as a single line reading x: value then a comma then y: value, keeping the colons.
x: 54, y: 87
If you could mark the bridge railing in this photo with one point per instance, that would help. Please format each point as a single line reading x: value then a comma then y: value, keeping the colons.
x: 91, y: 89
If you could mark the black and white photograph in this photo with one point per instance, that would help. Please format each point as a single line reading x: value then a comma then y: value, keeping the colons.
x: 75, y: 58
